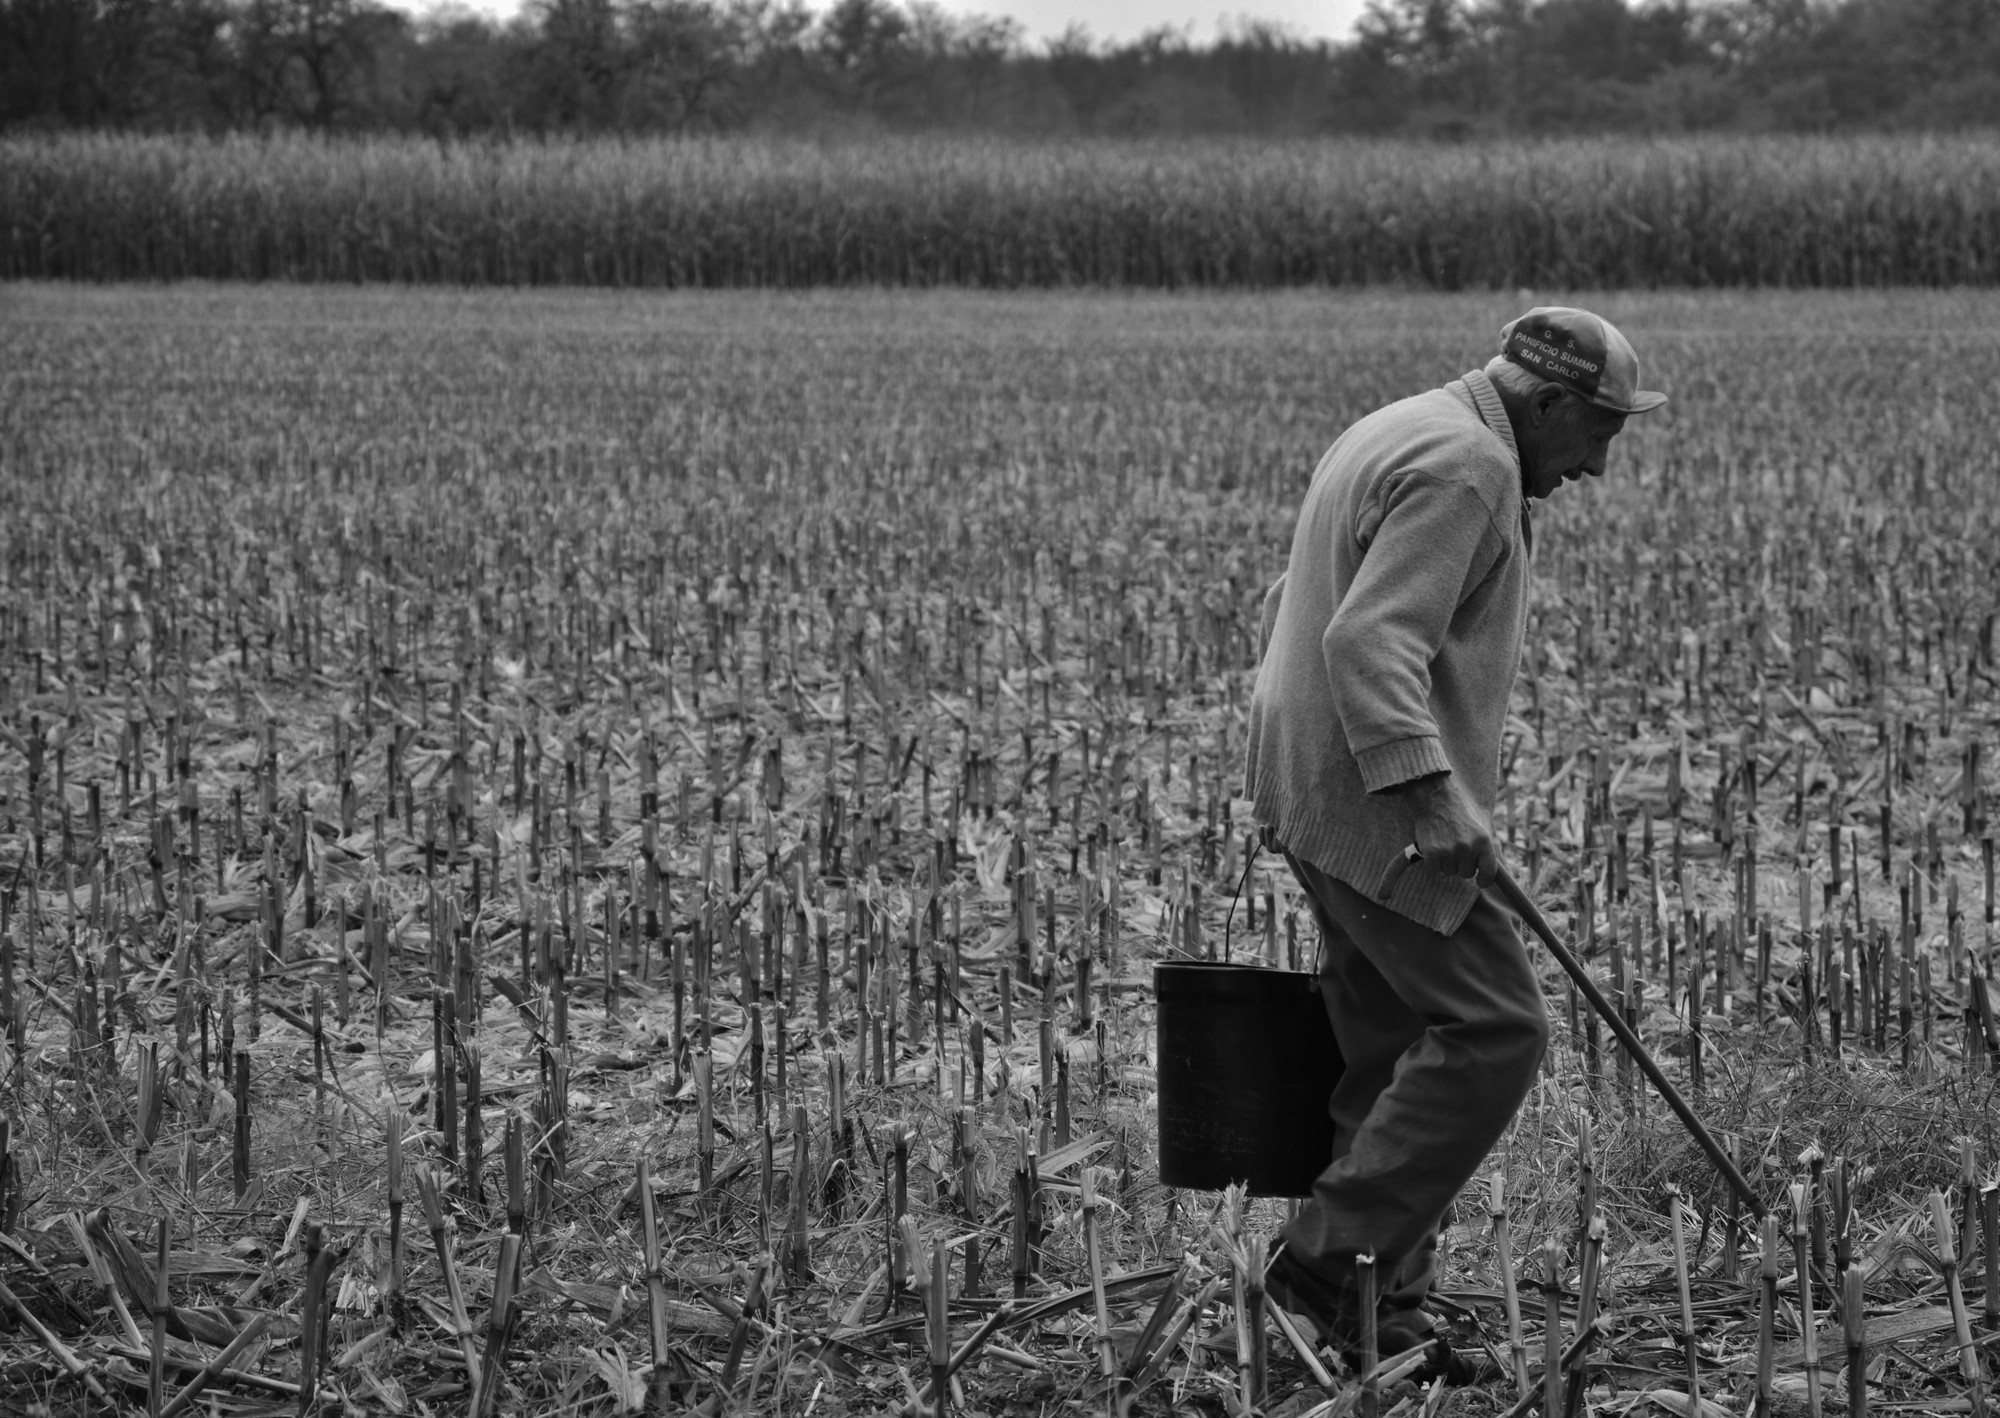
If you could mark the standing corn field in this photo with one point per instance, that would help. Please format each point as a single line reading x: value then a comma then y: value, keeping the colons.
x: 753, y: 212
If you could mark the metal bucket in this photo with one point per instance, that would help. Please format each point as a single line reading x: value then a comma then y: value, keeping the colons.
x: 1247, y: 1062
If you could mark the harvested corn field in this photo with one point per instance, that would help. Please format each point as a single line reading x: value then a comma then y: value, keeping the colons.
x: 568, y: 852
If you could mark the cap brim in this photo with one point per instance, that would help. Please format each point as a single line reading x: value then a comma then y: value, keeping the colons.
x: 1645, y: 401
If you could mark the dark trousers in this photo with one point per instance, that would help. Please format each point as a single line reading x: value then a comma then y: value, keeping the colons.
x: 1442, y: 1036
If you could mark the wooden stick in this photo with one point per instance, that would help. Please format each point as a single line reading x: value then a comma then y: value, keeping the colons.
x: 1530, y: 913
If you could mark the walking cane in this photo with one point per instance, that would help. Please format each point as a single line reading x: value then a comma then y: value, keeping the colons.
x: 1529, y: 912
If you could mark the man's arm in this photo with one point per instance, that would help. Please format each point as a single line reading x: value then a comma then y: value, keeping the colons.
x: 1432, y: 547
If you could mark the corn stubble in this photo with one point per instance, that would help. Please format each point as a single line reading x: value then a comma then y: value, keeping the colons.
x: 691, y: 791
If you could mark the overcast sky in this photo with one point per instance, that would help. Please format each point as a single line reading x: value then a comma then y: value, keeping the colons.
x: 1105, y: 19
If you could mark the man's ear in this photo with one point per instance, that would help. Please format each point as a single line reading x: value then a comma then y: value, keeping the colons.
x: 1543, y: 399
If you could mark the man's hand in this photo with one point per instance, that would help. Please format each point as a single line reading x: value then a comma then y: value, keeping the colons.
x: 1452, y: 833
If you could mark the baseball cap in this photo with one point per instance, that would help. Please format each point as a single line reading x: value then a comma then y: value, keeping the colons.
x: 1581, y: 352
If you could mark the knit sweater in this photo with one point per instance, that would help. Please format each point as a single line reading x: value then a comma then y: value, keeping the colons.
x: 1392, y: 640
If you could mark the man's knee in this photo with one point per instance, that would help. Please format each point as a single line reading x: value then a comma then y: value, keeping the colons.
x: 1520, y: 1038
x: 1507, y: 1035
x: 1516, y: 1020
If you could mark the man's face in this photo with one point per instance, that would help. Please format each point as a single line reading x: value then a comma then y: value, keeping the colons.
x: 1572, y: 439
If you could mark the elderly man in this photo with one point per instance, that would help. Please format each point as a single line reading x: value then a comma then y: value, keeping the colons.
x: 1392, y: 642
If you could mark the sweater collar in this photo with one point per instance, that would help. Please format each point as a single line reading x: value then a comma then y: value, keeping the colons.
x: 1478, y: 391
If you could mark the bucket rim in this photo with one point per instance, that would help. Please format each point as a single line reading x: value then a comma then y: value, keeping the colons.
x: 1219, y: 979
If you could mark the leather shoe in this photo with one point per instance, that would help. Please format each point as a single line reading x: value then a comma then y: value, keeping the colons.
x: 1399, y: 1331
x: 1334, y: 1310
x: 1331, y: 1307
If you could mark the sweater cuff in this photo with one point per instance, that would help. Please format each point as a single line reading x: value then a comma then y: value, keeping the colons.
x: 1389, y: 765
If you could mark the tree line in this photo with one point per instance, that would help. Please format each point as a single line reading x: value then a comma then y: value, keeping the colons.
x: 1445, y: 68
